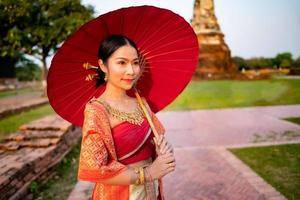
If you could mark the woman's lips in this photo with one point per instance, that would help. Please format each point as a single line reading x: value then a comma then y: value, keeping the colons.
x: 128, y: 80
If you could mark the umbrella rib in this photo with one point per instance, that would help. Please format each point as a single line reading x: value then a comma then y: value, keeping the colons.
x: 170, y: 69
x: 75, y: 99
x: 70, y: 83
x: 139, y: 22
x: 106, y: 26
x: 169, y: 52
x: 169, y: 21
x: 170, y: 60
x: 71, y: 93
x: 68, y: 72
x: 82, y: 50
x: 168, y: 43
x: 165, y: 36
x: 122, y: 21
x: 145, y: 32
x: 64, y: 71
x: 83, y: 105
x: 103, y: 22
x: 85, y: 31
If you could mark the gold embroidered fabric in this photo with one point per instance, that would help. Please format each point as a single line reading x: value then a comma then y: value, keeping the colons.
x: 98, y: 159
x: 135, y: 117
x: 95, y: 162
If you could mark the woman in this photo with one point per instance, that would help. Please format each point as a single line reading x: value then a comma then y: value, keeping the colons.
x: 118, y: 150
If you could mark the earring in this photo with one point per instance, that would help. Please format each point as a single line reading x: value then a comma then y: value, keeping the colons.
x: 105, y: 77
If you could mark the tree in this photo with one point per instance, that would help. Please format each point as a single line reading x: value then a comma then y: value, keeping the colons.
x: 284, y: 59
x: 296, y: 63
x: 38, y: 27
x: 240, y: 62
x: 26, y: 70
x: 11, y: 16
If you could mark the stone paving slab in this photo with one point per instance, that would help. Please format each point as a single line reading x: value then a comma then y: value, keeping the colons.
x: 202, y: 174
x: 51, y: 122
x: 205, y: 169
x: 82, y: 191
x: 18, y: 103
x: 250, y: 176
x: 208, y: 173
x: 227, y: 126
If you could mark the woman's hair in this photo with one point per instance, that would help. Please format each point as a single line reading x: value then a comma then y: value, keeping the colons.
x: 107, y: 48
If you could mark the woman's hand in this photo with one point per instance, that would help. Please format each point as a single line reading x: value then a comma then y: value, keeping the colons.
x: 161, y: 166
x: 165, y: 162
x: 162, y: 146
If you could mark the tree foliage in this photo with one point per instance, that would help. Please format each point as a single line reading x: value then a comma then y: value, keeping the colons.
x: 253, y: 63
x: 27, y: 70
x: 284, y: 59
x: 296, y: 63
x: 38, y: 27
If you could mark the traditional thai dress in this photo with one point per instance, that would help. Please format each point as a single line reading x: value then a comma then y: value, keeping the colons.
x: 106, y: 152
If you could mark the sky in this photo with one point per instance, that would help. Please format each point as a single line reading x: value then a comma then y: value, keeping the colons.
x: 252, y: 28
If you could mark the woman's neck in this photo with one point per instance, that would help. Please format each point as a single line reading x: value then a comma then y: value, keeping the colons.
x: 114, y: 93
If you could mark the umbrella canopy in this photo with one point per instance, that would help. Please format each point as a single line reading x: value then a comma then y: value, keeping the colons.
x: 166, y: 42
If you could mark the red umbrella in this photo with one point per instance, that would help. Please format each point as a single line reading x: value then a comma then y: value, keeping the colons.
x: 165, y: 40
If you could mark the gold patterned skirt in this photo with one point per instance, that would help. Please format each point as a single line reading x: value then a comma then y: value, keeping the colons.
x: 147, y: 191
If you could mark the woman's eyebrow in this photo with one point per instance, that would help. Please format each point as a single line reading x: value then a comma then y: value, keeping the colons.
x: 126, y: 58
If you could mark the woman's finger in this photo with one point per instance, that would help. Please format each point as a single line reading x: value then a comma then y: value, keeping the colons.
x: 155, y: 143
x: 163, y: 146
x: 161, y: 137
x: 169, y: 149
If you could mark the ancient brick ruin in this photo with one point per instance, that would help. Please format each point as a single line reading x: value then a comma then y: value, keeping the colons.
x: 214, y: 58
x: 31, y: 154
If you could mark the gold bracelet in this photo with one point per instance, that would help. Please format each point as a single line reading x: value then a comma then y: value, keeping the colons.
x: 142, y: 175
x: 136, y: 170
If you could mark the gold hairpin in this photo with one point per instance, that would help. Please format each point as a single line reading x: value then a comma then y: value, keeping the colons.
x: 90, y: 77
x: 89, y: 66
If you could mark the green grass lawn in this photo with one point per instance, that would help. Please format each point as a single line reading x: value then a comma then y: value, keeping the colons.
x: 233, y: 93
x: 12, y: 123
x: 295, y: 120
x: 62, y: 182
x: 278, y: 165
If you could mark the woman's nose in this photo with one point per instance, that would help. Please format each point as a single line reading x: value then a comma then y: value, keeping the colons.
x: 129, y: 69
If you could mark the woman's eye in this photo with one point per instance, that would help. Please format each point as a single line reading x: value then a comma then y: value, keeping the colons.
x: 121, y: 62
x: 136, y: 63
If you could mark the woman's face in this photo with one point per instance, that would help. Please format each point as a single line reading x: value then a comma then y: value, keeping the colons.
x: 123, y: 67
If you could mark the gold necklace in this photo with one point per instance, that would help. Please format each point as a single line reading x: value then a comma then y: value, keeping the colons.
x: 135, y: 117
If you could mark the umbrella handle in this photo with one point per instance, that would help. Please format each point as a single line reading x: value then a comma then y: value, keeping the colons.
x: 148, y: 118
x: 146, y: 114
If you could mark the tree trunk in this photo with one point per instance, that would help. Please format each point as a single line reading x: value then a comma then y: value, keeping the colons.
x: 44, y: 75
x: 8, y: 69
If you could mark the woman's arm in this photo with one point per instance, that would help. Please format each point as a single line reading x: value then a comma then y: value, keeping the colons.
x: 93, y: 165
x: 96, y: 164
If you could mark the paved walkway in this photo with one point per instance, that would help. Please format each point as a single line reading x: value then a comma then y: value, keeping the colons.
x: 205, y: 169
x: 13, y: 104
